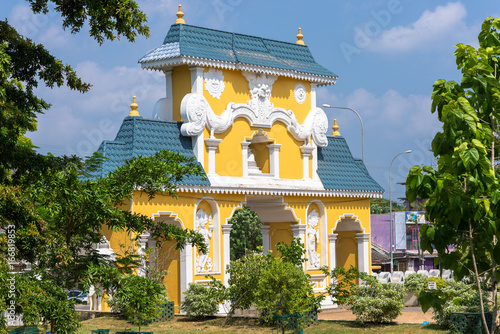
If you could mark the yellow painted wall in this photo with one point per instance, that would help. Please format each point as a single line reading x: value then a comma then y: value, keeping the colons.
x: 228, y: 157
x: 236, y: 90
x: 279, y: 232
x: 184, y: 208
x: 181, y: 85
x: 169, y: 259
x: 282, y: 97
x: 261, y: 153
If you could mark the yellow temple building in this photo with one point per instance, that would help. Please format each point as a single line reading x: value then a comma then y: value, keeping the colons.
x: 245, y: 108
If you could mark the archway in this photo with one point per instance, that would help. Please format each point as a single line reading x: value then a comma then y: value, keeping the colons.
x: 347, y: 229
x: 166, y: 257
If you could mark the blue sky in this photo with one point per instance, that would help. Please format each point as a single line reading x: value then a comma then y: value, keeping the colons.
x: 387, y: 55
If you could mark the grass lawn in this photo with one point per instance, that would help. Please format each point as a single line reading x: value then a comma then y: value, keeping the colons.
x: 182, y: 324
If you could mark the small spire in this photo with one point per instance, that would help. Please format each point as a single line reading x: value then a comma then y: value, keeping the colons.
x: 299, y: 37
x: 180, y: 16
x: 134, y: 107
x: 335, y: 128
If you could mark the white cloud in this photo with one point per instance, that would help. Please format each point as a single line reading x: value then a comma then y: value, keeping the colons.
x: 77, y: 123
x: 390, y: 116
x: 444, y: 23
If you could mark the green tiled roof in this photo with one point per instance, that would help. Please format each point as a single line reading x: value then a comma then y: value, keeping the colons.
x: 139, y: 136
x: 186, y: 41
x: 338, y: 170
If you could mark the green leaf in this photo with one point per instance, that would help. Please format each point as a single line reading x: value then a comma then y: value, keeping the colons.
x: 469, y: 157
x: 430, y: 232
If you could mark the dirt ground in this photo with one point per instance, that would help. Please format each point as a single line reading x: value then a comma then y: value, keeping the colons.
x: 410, y: 315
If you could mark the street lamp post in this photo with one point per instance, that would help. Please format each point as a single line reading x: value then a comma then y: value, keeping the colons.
x: 362, y: 130
x: 391, y: 244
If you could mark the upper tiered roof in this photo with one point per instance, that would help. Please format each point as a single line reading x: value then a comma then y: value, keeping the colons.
x: 197, y: 46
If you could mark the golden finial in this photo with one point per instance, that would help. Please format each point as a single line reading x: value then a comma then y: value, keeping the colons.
x: 180, y: 14
x: 134, y: 107
x: 335, y: 128
x: 299, y: 37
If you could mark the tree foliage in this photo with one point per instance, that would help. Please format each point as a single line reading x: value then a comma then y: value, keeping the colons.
x: 139, y: 299
x: 463, y: 192
x: 54, y: 206
x: 246, y: 233
x: 382, y: 205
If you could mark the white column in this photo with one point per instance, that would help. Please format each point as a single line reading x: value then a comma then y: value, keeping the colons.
x: 196, y: 80
x: 186, y: 274
x: 332, y: 240
x: 141, y: 251
x: 313, y: 95
x: 265, y: 237
x: 299, y: 231
x: 274, y: 159
x: 306, y: 151
x: 314, y: 157
x: 244, y: 151
x: 163, y: 107
x: 226, y: 244
x: 198, y: 149
x: 363, y: 251
x: 212, y: 144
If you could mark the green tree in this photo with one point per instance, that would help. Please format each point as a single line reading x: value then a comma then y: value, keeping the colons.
x: 381, y: 205
x: 139, y: 299
x: 55, y: 208
x: 284, y: 289
x: 463, y: 192
x: 246, y: 234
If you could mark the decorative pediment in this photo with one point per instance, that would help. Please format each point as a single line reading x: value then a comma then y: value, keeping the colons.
x: 197, y: 113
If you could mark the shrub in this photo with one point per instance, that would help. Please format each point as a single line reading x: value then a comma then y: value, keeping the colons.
x: 343, y: 282
x: 284, y: 289
x: 376, y: 302
x: 200, y: 301
x: 139, y: 299
x: 415, y: 283
x: 440, y: 283
x: 460, y: 297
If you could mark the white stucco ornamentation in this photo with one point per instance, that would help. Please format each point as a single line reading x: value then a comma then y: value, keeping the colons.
x: 312, y: 236
x: 197, y: 113
x: 194, y: 113
x: 214, y: 82
x: 204, y: 262
x: 261, y: 86
x: 300, y: 93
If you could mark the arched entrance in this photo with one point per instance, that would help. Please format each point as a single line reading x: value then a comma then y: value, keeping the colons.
x: 351, y: 243
x: 166, y: 257
x: 279, y: 220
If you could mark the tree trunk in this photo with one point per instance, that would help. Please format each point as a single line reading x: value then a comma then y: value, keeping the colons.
x: 476, y: 274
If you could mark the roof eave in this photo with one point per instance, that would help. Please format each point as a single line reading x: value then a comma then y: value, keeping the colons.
x: 168, y: 63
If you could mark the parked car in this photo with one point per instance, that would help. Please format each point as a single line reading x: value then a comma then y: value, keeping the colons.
x: 78, y: 296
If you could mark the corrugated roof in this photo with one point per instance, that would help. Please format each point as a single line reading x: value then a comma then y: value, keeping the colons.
x: 185, y: 40
x: 338, y: 170
x: 145, y: 137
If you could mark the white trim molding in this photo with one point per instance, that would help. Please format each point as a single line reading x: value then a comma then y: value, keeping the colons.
x: 165, y: 64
